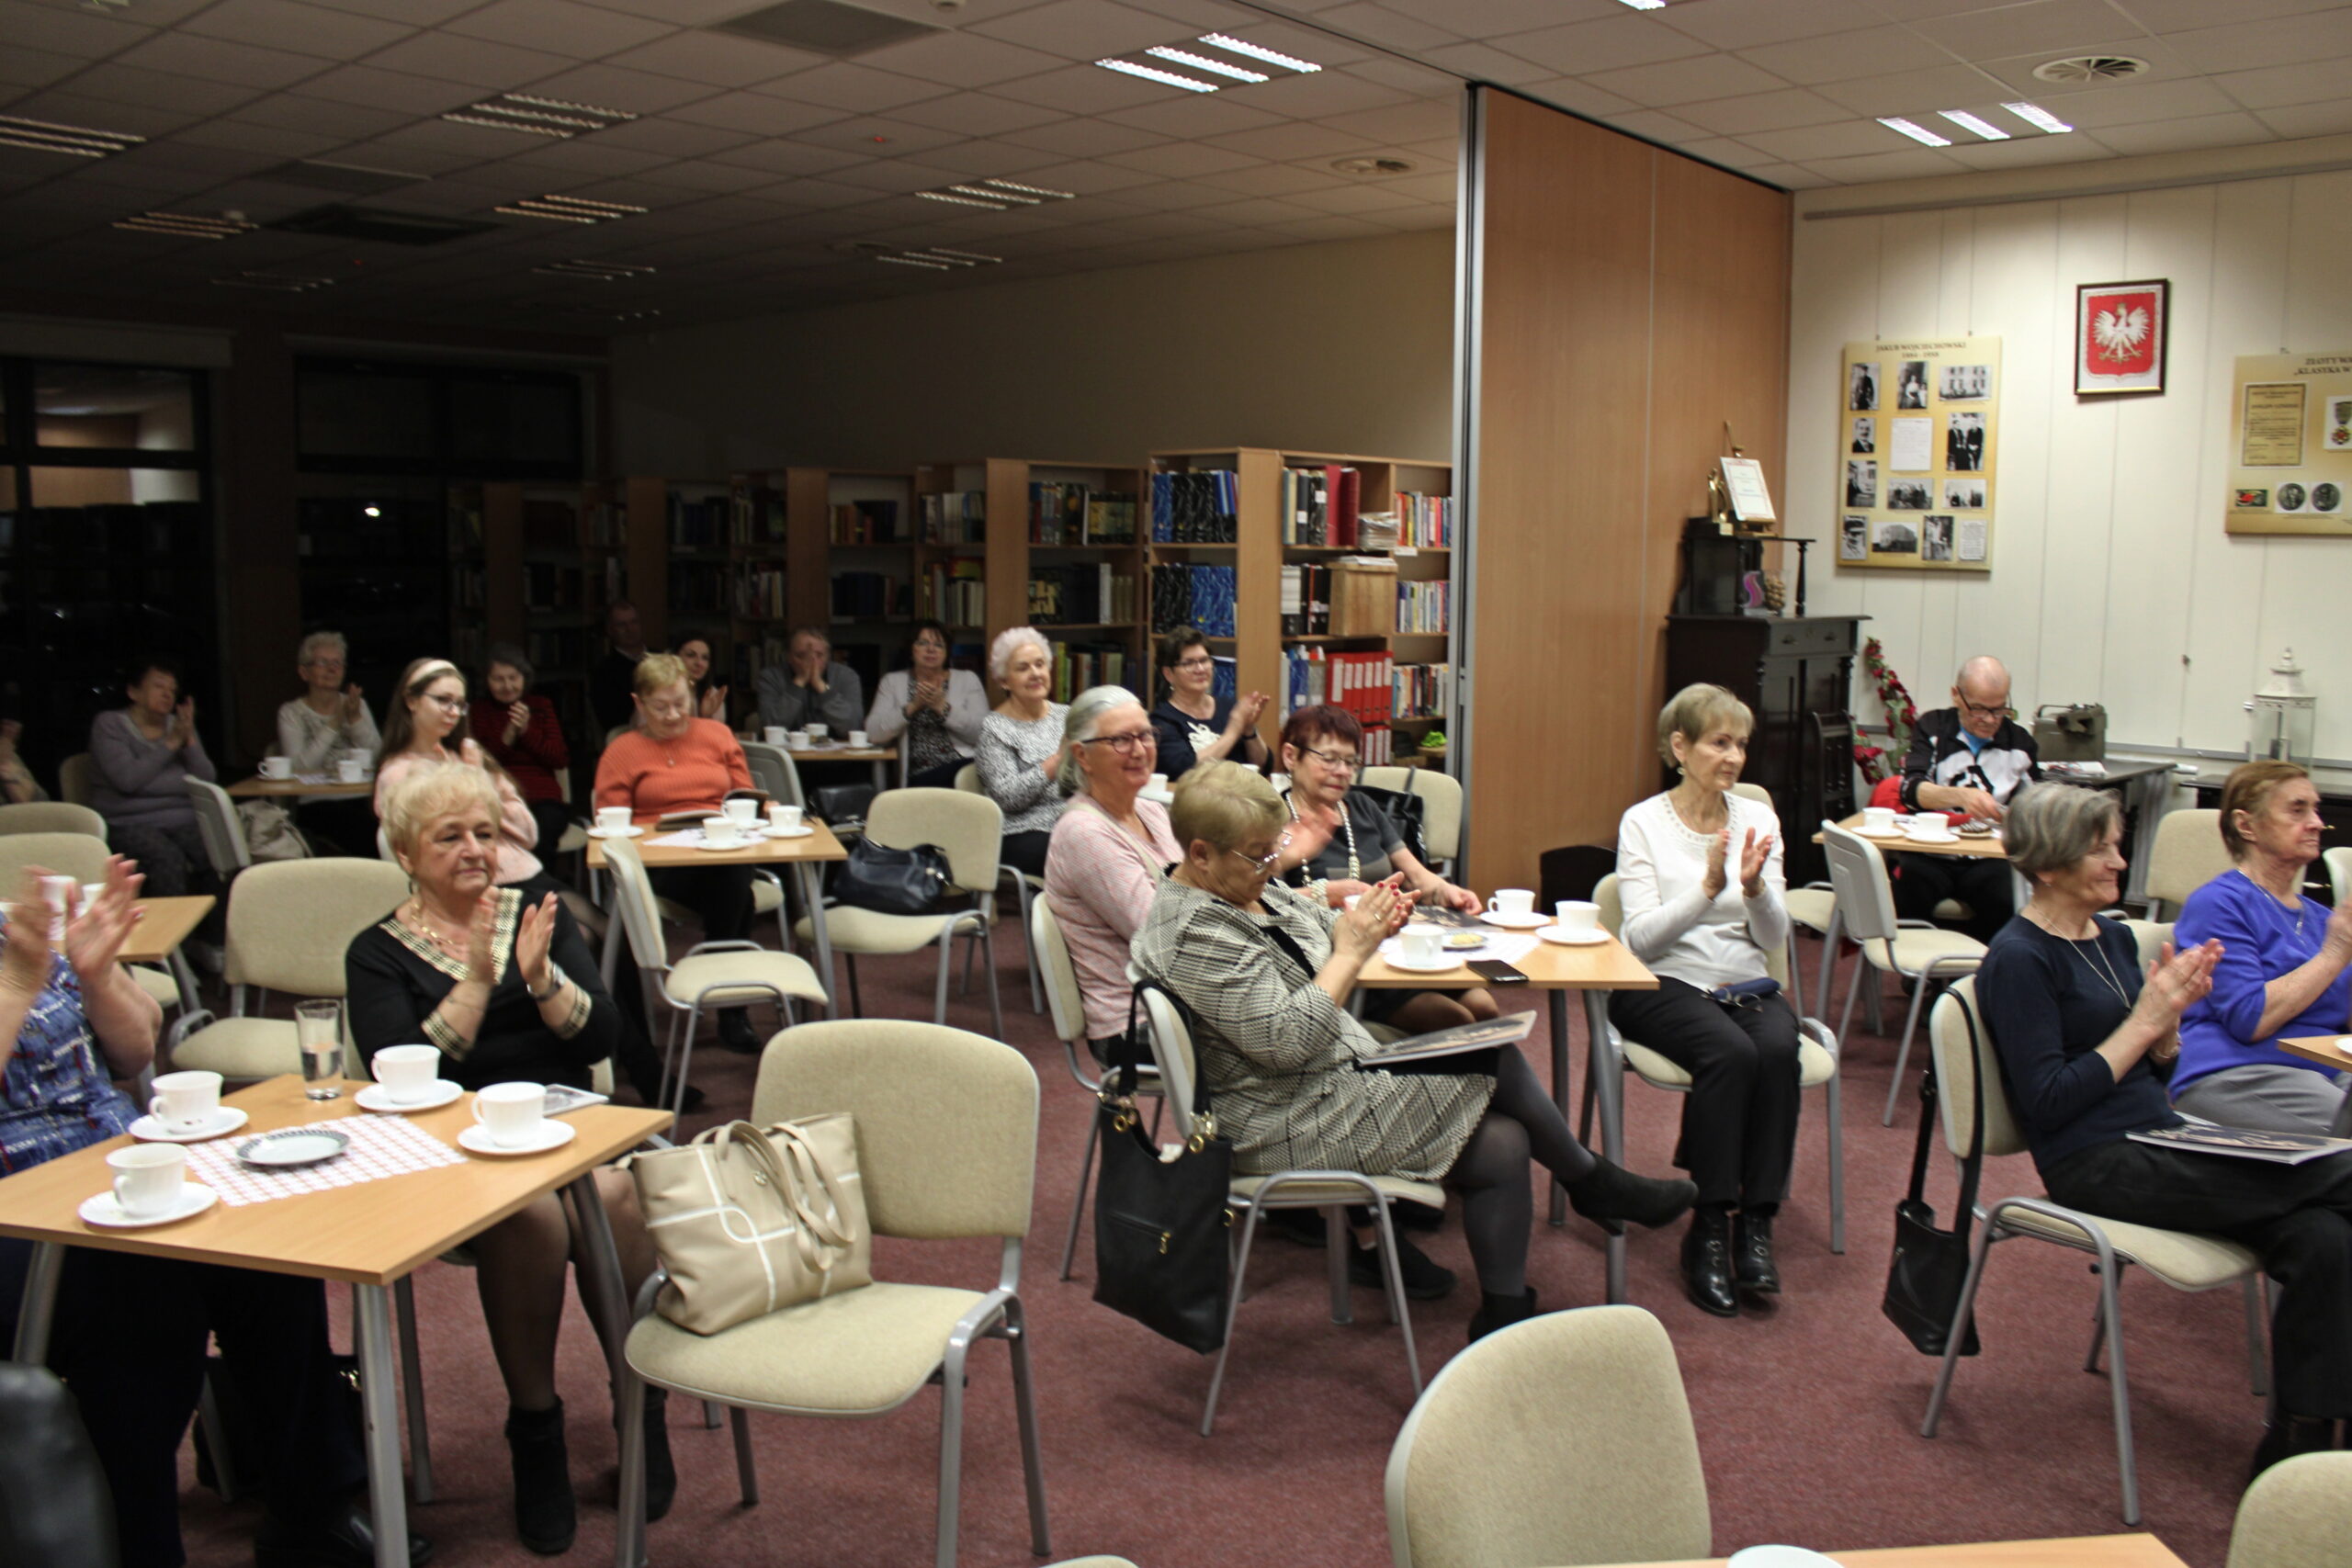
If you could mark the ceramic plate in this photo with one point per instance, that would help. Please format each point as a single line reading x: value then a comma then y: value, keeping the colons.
x: 1436, y: 966
x: 294, y: 1147
x: 1526, y: 922
x: 631, y: 831
x: 376, y: 1097
x: 104, y: 1211
x: 225, y: 1119
x: 554, y: 1134
x: 1567, y: 938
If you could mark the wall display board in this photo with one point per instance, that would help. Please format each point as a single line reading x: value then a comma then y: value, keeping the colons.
x: 2290, y: 446
x: 1917, y: 422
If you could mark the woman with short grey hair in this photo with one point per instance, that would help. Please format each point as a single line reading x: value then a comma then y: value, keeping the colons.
x: 1110, y: 848
x: 330, y: 716
x: 1020, y: 754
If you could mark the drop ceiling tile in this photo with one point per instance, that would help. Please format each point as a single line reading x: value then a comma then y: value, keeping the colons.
x: 1084, y: 89
x: 619, y: 87
x: 1687, y: 81
x: 1727, y: 152
x: 2044, y: 27
x: 1181, y: 160
x: 1484, y: 62
x: 63, y: 31
x: 1202, y: 15
x: 755, y: 113
x: 2307, y: 81
x: 1789, y: 176
x: 874, y: 136
x: 497, y: 66
x: 896, y: 176
x: 71, y: 108
x: 2280, y: 40
x: 1318, y: 96
x: 1173, y: 196
x: 1299, y: 140
x: 217, y: 60
x: 1919, y: 163
x: 2022, y: 151
x: 1815, y: 144
x: 1082, y: 29
x: 588, y: 155
x: 179, y: 98
x: 1656, y: 125
x: 1866, y: 51
x: 1195, y: 117
x: 1318, y: 231
x: 962, y: 60
x: 976, y: 114
x: 2135, y: 103
x: 1763, y: 111
x: 345, y: 121
x: 1908, y: 92
x: 1393, y: 27
x: 35, y: 67
x: 2298, y: 120
x: 981, y: 159
x: 781, y: 157
x: 1743, y: 24
x: 1089, y: 177
x: 2182, y: 135
x: 2182, y: 15
x: 1418, y: 81
x: 588, y: 32
x: 706, y: 175
x: 852, y: 88
x: 1439, y: 187
x: 716, y: 60
x: 1290, y: 180
x: 395, y: 152
x: 1361, y: 196
x: 398, y: 90
x: 1581, y: 48
x: 1580, y: 97
x: 823, y: 195
x: 244, y: 137
x: 1493, y: 18
x: 672, y: 137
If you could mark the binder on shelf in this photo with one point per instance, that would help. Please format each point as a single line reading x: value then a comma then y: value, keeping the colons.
x: 871, y: 522
x: 955, y: 517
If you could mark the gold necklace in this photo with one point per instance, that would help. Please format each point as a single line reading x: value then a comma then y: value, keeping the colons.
x: 423, y: 925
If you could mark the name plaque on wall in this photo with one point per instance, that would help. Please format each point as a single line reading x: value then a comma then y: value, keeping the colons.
x: 1917, y: 422
x: 2290, y: 446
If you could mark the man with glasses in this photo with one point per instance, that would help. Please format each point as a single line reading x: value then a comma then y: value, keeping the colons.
x: 1971, y: 757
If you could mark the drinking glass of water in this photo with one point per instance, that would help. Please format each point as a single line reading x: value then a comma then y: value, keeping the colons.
x: 318, y: 1026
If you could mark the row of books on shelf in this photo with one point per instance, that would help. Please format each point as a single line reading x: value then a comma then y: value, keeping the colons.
x: 554, y: 650
x: 1086, y: 595
x: 1424, y: 522
x: 869, y: 522
x: 1422, y: 690
x: 1424, y: 609
x: 871, y: 595
x: 700, y: 521
x: 955, y: 517
x: 757, y: 514
x: 759, y: 593
x: 1372, y: 686
x: 607, y: 523
x: 1069, y: 512
x: 547, y: 586
x: 1202, y: 508
x: 956, y: 593
x: 468, y: 589
x: 1198, y: 596
x: 1321, y: 506
x: 1078, y: 665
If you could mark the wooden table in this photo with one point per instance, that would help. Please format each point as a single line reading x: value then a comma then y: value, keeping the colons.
x: 2329, y: 1050
x: 370, y: 1236
x: 2065, y: 1551
x: 328, y: 789
x: 1988, y: 847
x: 164, y: 924
x: 882, y: 757
x: 1595, y: 970
x: 804, y: 858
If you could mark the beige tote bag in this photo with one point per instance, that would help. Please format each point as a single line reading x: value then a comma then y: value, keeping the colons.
x: 747, y: 1221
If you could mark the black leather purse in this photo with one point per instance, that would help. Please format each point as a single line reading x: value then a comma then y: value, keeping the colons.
x: 892, y: 881
x: 1161, y: 1226
x: 1931, y: 1266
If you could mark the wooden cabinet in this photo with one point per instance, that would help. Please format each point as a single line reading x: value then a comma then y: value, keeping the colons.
x: 1787, y: 670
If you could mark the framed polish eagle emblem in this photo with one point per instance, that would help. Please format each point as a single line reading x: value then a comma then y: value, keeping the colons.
x: 2120, y: 330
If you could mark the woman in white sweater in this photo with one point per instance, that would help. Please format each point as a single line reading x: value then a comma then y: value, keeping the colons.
x: 934, y: 712
x: 1698, y: 873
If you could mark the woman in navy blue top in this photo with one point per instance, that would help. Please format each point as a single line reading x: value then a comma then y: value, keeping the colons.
x: 2083, y: 1041
x: 1193, y: 723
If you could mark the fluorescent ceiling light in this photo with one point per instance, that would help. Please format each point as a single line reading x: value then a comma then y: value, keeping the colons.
x: 918, y: 261
x: 459, y: 119
x: 1258, y: 52
x: 603, y: 272
x: 183, y: 225
x: 1016, y: 188
x: 1203, y: 62
x: 79, y: 141
x: 569, y: 209
x: 963, y: 201
x: 1966, y: 122
x: 537, y: 116
x: 1005, y: 197
x: 1645, y: 4
x: 1916, y: 132
x: 2039, y: 117
x: 1152, y: 74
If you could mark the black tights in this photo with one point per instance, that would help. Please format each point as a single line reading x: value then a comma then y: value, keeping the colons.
x: 1498, y: 1206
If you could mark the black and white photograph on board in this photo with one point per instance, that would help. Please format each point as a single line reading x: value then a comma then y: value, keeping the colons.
x: 1964, y: 443
x: 1865, y: 435
x: 1911, y: 384
x: 1935, y: 537
x: 1862, y: 482
x: 1854, y: 537
x: 1965, y: 495
x: 1901, y: 538
x: 1910, y: 495
x: 1862, y: 388
x: 1966, y: 383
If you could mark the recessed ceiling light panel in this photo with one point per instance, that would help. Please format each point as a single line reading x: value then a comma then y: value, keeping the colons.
x: 1232, y: 45
x: 73, y: 141
x: 1916, y: 132
x: 1203, y: 62
x: 531, y: 115
x: 1981, y: 127
x: 184, y: 225
x: 1154, y: 74
x: 2040, y: 118
x: 601, y: 272
x: 569, y: 209
x: 996, y: 194
x: 1645, y: 4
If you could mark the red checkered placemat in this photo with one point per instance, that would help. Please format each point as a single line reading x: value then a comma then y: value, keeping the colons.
x: 381, y: 1146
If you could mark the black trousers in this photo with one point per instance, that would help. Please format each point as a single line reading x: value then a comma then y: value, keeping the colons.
x: 2298, y: 1218
x: 940, y: 777
x: 1922, y: 882
x: 720, y: 897
x: 1739, y: 1120
x: 130, y: 1341
x: 553, y: 816
x: 1026, y: 851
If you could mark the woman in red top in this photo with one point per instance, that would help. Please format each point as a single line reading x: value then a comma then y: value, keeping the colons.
x: 669, y: 762
x: 519, y: 728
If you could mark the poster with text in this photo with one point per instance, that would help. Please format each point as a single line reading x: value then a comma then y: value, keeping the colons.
x: 1933, y: 430
x: 2290, y: 446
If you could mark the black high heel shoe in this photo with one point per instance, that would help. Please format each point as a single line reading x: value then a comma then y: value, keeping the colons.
x: 547, y: 1516
x: 1609, y: 1195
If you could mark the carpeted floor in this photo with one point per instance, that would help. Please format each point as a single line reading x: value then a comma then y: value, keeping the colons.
x: 1807, y: 1416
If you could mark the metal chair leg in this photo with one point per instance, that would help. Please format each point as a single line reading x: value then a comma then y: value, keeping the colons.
x: 2257, y: 1359
x: 1078, y: 1204
x: 856, y: 1003
x: 1337, y: 1245
x: 1024, y: 1405
x: 1836, y: 1118
x: 1232, y: 1318
x: 996, y: 1004
x: 1398, y: 1312
x: 1957, y: 1335
x: 216, y: 1440
x: 747, y: 1475
x: 1902, y: 1052
x: 2119, y: 1389
x: 946, y: 973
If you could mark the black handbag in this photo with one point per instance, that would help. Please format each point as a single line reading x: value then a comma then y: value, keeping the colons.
x: 842, y: 806
x: 1161, y: 1226
x: 1931, y: 1266
x: 892, y: 881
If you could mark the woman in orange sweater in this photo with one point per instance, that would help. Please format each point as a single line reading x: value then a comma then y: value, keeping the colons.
x: 672, y: 761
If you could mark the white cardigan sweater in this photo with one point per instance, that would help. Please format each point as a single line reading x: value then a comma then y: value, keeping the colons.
x: 1670, y: 924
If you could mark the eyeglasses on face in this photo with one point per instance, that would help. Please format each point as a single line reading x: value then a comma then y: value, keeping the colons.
x: 1974, y: 711
x: 672, y: 707
x: 1338, y: 762
x: 1127, y: 745
x: 1266, y: 861
x: 447, y: 703
x: 1204, y: 662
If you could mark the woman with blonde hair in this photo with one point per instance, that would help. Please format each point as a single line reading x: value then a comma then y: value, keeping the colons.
x: 1020, y: 754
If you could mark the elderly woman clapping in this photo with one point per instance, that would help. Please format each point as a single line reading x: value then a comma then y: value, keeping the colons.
x: 1266, y: 973
x: 508, y: 990
x: 1021, y: 747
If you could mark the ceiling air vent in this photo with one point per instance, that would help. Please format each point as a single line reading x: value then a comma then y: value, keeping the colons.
x: 1377, y: 167
x: 337, y: 221
x: 2089, y: 69
x: 824, y: 27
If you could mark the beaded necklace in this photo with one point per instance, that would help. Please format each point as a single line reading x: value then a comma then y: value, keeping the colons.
x: 1347, y: 825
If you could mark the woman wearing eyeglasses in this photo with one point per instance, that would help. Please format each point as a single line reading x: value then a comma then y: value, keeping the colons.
x: 1110, y: 849
x: 1194, y: 723
x: 428, y: 708
x: 938, y: 711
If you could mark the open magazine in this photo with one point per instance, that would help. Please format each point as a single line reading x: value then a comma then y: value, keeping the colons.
x: 564, y: 1097
x: 1508, y: 1030
x: 2245, y: 1143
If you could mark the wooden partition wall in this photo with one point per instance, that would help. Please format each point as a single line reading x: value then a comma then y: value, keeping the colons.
x: 1622, y: 304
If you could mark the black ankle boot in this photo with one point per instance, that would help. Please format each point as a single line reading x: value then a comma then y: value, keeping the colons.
x: 1426, y: 1280
x: 1707, y: 1262
x: 2286, y: 1436
x: 1751, y: 1254
x: 735, y: 1031
x: 1500, y: 1312
x: 1609, y: 1195
x: 660, y: 1473
x: 544, y: 1513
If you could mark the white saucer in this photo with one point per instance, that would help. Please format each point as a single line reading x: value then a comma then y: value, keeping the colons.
x: 1567, y: 938
x: 556, y: 1134
x: 1926, y: 839
x: 225, y: 1119
x: 1440, y: 965
x: 1882, y: 833
x: 803, y: 832
x: 375, y: 1097
x: 104, y: 1212
x: 631, y: 831
x: 1526, y: 922
x: 725, y: 849
x: 294, y: 1147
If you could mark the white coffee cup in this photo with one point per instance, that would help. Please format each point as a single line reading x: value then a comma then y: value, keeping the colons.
x: 511, y: 1112
x: 1576, y: 916
x: 147, y: 1179
x: 857, y: 737
x: 785, y: 817
x: 361, y: 754
x: 776, y: 734
x: 185, y: 1102
x: 723, y: 830
x: 816, y: 733
x: 1159, y: 782
x: 611, y: 818
x: 277, y: 767
x: 743, y: 811
x: 1928, y: 826
x: 89, y: 891
x: 59, y: 893
x: 1878, y: 818
x: 407, y: 1072
x: 1512, y: 901
x: 351, y: 772
x: 1423, y: 942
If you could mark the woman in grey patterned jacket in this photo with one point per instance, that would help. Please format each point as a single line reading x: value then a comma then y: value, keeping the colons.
x: 1266, y: 974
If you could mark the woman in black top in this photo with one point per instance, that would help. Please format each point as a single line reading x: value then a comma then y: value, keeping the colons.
x: 2085, y: 1044
x: 1193, y: 723
x: 509, y: 991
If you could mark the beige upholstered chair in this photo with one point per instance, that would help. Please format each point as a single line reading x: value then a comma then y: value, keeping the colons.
x: 1562, y: 1439
x: 78, y: 856
x: 946, y: 1149
x: 217, y: 825
x: 53, y: 816
x: 1066, y: 1007
x: 711, y: 975
x: 2338, y: 861
x: 1025, y: 887
x: 2183, y: 1259
x: 1919, y: 951
x: 1440, y: 796
x: 2187, y: 853
x: 1330, y: 1191
x: 290, y: 922
x: 1817, y: 1064
x: 2298, y: 1514
x: 970, y: 829
x: 775, y: 771
x: 77, y: 779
